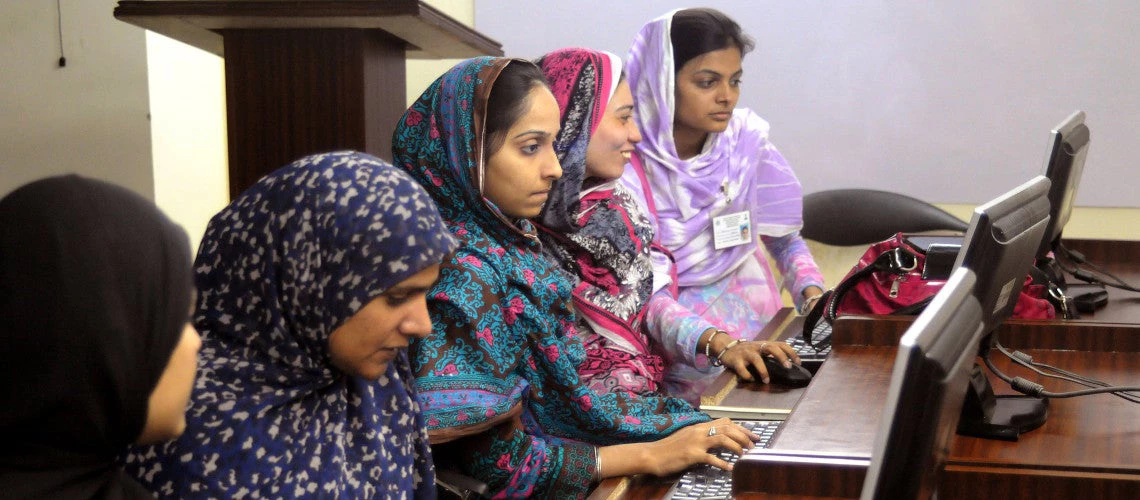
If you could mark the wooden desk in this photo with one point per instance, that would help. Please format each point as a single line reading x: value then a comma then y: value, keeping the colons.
x: 1121, y: 258
x: 1088, y: 448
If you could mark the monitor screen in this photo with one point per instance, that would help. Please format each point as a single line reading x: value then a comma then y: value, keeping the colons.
x: 1001, y: 244
x: 928, y: 384
x: 1064, y: 163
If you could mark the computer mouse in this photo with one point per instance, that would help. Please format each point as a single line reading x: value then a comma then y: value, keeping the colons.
x: 796, y: 376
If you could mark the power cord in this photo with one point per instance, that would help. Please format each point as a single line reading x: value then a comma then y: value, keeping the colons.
x: 1026, y: 360
x: 1097, y: 275
x: 1034, y: 389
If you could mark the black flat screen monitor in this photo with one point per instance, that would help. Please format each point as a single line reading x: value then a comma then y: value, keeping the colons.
x: 935, y: 387
x: 1064, y: 163
x: 928, y: 385
x: 1000, y: 248
x: 1001, y: 244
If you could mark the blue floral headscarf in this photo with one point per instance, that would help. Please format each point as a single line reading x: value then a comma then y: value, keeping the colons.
x: 500, y: 366
x: 278, y: 271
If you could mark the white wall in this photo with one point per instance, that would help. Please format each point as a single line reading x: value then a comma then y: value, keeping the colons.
x: 950, y: 102
x: 188, y: 132
x: 420, y: 74
x: 131, y: 107
x: 89, y: 117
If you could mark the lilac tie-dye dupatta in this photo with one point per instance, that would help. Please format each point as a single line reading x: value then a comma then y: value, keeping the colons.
x: 738, y: 170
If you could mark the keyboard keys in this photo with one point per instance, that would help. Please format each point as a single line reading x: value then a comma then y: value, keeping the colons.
x: 811, y: 357
x: 708, y: 482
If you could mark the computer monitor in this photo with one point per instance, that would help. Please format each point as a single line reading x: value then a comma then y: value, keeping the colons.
x: 1000, y: 247
x: 1001, y: 244
x: 1064, y: 163
x: 935, y: 387
x: 924, y: 401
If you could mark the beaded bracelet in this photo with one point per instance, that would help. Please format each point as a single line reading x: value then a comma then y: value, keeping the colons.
x: 708, y: 344
x: 722, y: 351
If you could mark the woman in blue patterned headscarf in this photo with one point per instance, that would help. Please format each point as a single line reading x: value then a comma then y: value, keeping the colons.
x: 310, y: 284
x: 497, y: 378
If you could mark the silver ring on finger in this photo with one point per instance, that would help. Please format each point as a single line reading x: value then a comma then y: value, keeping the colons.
x: 763, y: 344
x: 712, y: 431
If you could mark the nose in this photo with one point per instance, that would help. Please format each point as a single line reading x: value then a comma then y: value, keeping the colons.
x: 729, y: 93
x: 634, y: 132
x: 551, y: 169
x: 723, y: 91
x: 417, y: 323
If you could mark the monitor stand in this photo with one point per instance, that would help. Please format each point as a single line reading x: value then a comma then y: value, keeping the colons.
x: 1004, y: 418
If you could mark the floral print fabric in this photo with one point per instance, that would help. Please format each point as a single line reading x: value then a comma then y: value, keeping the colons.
x: 279, y: 269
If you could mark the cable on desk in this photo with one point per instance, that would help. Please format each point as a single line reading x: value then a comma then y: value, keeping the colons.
x: 1037, y: 390
x: 1097, y: 274
x: 1027, y: 361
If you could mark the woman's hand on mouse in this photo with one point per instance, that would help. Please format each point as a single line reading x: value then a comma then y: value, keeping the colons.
x: 751, y: 353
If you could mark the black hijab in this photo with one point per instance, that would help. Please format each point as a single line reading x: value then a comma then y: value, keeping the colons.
x: 95, y: 288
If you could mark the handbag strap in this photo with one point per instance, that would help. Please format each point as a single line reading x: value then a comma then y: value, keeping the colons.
x: 894, y: 261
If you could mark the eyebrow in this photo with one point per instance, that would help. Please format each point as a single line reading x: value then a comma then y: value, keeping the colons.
x: 623, y: 108
x: 540, y: 133
x: 717, y: 73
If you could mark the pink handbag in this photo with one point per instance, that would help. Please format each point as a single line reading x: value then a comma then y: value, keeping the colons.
x: 891, y: 278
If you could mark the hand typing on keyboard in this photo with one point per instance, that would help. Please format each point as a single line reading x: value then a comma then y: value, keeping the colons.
x: 687, y: 447
x: 705, y: 482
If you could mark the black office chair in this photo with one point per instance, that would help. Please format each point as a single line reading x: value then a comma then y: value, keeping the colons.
x: 845, y: 217
x: 451, y: 484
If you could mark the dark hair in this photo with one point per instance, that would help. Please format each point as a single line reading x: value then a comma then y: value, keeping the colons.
x: 508, y: 101
x: 700, y: 31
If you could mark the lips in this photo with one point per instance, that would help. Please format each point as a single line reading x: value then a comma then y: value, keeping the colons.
x: 722, y: 115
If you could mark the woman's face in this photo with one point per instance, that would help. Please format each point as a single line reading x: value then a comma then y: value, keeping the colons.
x: 166, y: 407
x: 707, y: 89
x: 520, y: 173
x: 365, y: 343
x: 612, y: 142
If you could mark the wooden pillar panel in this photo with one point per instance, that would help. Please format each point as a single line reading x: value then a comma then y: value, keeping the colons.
x: 294, y: 92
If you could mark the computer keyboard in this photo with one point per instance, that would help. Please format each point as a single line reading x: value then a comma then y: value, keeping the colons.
x: 811, y: 357
x: 708, y: 482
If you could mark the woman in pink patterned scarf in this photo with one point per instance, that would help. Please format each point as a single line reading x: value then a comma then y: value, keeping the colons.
x: 717, y: 188
x: 594, y: 228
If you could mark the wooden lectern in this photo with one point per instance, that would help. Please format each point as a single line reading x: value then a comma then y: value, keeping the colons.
x: 305, y: 77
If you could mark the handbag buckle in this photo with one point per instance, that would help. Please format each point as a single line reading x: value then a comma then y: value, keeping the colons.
x: 897, y: 261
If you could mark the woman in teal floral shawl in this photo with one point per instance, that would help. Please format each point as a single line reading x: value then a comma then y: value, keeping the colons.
x: 497, y: 378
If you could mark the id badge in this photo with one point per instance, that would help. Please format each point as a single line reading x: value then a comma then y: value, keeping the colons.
x: 732, y: 230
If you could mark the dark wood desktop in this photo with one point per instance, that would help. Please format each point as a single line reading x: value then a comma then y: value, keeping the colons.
x: 1121, y: 258
x: 1088, y: 448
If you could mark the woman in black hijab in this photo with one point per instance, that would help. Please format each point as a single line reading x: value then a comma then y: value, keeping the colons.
x: 96, y: 351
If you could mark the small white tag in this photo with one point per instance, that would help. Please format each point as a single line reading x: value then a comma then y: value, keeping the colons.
x: 732, y: 230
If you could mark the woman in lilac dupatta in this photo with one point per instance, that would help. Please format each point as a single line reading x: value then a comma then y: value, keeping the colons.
x: 594, y: 228
x: 707, y: 166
